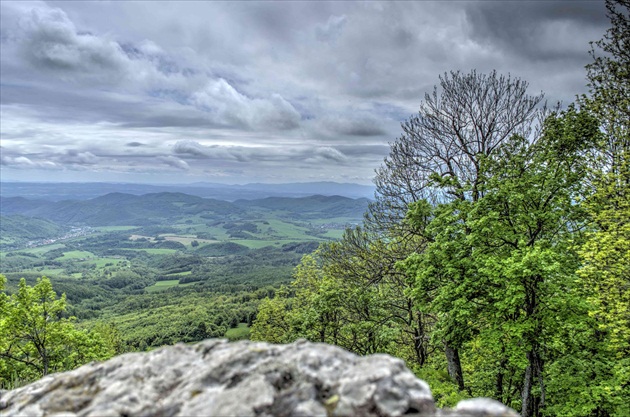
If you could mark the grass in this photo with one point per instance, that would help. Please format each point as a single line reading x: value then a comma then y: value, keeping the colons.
x: 257, y: 244
x: 288, y: 230
x: 180, y: 274
x: 50, y: 271
x: 43, y: 249
x: 75, y: 254
x: 333, y: 234
x: 238, y: 333
x: 162, y: 285
x: 154, y: 251
x: 253, y: 244
x: 101, y: 262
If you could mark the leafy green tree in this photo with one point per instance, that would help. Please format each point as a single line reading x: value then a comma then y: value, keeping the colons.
x: 500, y: 269
x: 37, y: 339
x: 605, y: 271
x: 271, y: 323
x: 439, y: 157
x: 605, y: 254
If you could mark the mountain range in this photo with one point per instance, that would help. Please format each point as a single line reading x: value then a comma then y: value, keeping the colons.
x: 84, y: 191
x: 157, y: 208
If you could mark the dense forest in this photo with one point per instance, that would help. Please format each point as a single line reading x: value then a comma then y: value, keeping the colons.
x: 494, y: 259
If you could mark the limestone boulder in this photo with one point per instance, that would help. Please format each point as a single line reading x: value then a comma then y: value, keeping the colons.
x: 217, y: 378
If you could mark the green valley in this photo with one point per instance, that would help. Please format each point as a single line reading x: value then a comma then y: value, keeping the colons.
x: 167, y: 267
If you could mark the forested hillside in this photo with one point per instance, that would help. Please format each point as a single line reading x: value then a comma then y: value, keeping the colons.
x: 18, y: 229
x: 117, y: 209
x: 496, y: 258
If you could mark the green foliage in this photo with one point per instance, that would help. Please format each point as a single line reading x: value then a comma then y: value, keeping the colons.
x: 499, y: 271
x: 271, y: 323
x: 35, y: 338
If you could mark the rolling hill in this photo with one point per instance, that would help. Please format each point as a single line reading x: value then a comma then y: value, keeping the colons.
x: 162, y: 208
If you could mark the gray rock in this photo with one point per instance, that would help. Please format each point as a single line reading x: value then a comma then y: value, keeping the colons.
x: 216, y: 378
x: 484, y: 407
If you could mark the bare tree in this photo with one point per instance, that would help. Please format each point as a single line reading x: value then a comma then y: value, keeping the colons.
x: 460, y: 123
x: 439, y: 155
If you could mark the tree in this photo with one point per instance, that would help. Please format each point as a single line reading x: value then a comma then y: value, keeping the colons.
x: 440, y: 154
x: 464, y: 120
x: 501, y: 268
x: 36, y: 339
x: 609, y: 82
x: 609, y: 245
x: 606, y: 271
x: 366, y: 262
x: 271, y: 323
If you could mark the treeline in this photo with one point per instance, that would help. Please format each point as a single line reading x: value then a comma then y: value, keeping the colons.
x: 495, y: 259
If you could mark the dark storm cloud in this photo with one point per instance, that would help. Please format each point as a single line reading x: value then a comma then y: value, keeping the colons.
x: 353, y: 126
x: 134, y: 144
x: 95, y: 106
x: 52, y: 42
x: 538, y: 30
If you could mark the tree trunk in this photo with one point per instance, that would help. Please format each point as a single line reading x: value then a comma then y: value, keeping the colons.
x: 454, y: 365
x: 526, y: 394
x: 498, y: 387
x: 418, y: 337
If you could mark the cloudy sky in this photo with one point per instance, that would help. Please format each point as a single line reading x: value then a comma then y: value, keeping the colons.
x: 236, y: 92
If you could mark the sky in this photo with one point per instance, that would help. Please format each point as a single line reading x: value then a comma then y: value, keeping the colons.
x: 247, y: 91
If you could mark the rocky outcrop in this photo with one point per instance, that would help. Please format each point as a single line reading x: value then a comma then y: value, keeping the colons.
x: 216, y: 378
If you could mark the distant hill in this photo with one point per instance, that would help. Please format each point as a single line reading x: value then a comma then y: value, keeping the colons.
x: 316, y: 206
x: 19, y: 204
x: 86, y: 191
x: 120, y: 209
x: 17, y: 229
x: 161, y: 208
x: 28, y: 227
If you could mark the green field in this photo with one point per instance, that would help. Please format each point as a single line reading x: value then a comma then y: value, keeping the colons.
x: 102, y: 262
x: 333, y: 234
x: 162, y: 285
x: 150, y: 283
x: 43, y: 249
x: 153, y: 251
x: 75, y: 254
x: 180, y: 274
x: 238, y: 333
x: 49, y: 272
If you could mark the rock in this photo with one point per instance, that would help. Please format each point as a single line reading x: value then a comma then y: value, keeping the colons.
x: 216, y: 378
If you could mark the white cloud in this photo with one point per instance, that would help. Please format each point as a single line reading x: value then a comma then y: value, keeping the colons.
x: 22, y: 162
x: 331, y: 154
x: 174, y: 162
x: 230, y: 107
